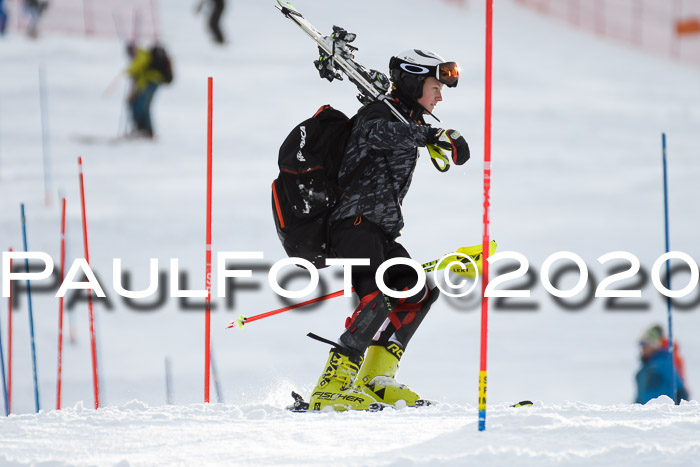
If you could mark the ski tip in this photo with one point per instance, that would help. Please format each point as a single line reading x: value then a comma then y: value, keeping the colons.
x: 523, y: 404
x: 286, y: 7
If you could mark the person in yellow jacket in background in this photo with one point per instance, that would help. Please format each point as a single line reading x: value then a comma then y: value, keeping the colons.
x: 148, y: 69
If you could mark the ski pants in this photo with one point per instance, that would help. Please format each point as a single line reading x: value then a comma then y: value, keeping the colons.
x: 214, y: 18
x: 378, y: 319
x: 3, y: 19
x: 141, y: 108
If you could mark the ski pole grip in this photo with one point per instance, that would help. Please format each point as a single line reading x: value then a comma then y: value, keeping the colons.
x: 438, y: 158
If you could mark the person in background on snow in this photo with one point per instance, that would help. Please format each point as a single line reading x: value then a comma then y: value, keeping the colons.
x: 148, y: 69
x: 3, y: 18
x: 215, y: 12
x: 34, y: 9
x: 654, y: 378
x: 376, y: 172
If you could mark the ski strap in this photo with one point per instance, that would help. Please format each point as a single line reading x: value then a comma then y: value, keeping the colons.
x: 323, y: 339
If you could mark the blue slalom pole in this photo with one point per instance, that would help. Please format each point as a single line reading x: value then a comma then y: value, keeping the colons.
x: 4, y: 381
x: 31, y: 315
x: 668, y: 273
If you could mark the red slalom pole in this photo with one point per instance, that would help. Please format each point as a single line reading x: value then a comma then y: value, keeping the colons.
x: 207, y: 300
x: 487, y: 218
x: 9, y: 347
x: 93, y: 346
x: 60, y: 304
x: 88, y: 17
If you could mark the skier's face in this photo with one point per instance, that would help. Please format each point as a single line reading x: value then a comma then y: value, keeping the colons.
x: 647, y: 352
x: 432, y: 94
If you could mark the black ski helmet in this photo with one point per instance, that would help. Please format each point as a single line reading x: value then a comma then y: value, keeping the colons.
x: 411, y: 67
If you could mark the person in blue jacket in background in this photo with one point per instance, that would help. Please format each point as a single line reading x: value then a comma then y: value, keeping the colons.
x: 654, y: 378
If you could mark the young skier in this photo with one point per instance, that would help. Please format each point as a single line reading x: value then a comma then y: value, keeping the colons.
x: 376, y: 172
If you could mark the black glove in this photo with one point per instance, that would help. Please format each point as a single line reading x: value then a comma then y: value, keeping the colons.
x: 451, y: 140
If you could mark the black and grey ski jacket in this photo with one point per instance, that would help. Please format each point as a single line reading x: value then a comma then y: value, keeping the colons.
x: 378, y: 166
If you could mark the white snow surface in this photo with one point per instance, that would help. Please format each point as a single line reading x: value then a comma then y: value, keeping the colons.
x: 263, y: 434
x: 577, y: 125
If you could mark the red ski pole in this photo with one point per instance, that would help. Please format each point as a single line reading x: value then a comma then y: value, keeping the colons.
x: 207, y: 300
x: 466, y: 270
x: 93, y: 346
x: 60, y: 304
x: 243, y: 320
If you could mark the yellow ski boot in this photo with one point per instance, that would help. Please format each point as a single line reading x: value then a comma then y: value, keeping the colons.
x: 335, y: 386
x: 378, y: 373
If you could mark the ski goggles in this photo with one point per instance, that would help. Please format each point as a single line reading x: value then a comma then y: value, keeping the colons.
x: 448, y: 74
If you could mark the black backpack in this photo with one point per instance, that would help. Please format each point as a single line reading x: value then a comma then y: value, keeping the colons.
x: 306, y: 189
x: 161, y: 62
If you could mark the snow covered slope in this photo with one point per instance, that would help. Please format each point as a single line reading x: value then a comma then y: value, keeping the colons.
x: 261, y: 434
x: 576, y: 167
